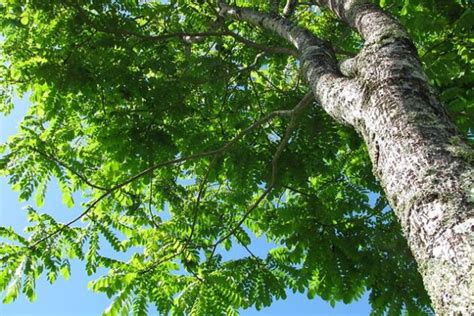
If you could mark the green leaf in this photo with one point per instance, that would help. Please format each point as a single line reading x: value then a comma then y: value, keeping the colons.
x: 92, y: 254
x: 67, y: 195
x: 12, y: 290
x: 40, y: 193
x: 24, y: 20
x: 14, y: 287
x: 140, y: 306
x: 121, y: 303
x: 65, y: 269
x: 406, y: 5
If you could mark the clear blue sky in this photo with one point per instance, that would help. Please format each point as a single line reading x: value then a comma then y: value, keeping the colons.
x: 72, y: 297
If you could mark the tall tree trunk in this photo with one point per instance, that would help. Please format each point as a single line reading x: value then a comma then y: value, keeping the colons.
x: 425, y: 167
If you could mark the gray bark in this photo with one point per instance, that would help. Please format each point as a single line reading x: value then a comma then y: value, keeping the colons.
x: 425, y: 167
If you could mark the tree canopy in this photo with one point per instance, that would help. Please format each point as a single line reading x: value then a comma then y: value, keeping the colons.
x: 189, y: 134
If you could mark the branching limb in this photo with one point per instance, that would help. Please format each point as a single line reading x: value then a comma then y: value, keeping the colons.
x: 151, y: 169
x: 197, y: 37
x: 367, y: 18
x: 299, y: 191
x: 294, y: 114
x: 253, y: 64
x: 155, y: 264
x: 254, y: 256
x: 264, y: 47
x: 189, y: 37
x: 336, y: 94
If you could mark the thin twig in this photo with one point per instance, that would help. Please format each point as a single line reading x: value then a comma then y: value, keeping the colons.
x: 258, y: 259
x: 159, y: 262
x: 77, y: 174
x: 264, y: 47
x: 152, y: 217
x: 201, y: 193
x: 182, y: 35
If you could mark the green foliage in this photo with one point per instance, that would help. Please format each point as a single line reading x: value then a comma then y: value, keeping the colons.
x: 124, y: 114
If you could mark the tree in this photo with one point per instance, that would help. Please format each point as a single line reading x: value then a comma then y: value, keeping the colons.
x: 192, y: 126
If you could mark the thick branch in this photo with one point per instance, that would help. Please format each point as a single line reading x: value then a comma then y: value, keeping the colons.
x: 336, y: 94
x: 366, y: 18
x: 307, y: 45
x: 348, y: 67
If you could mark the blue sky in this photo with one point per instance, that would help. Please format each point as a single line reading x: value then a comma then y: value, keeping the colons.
x: 73, y: 298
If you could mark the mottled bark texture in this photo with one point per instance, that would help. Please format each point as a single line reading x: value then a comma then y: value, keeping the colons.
x: 423, y: 164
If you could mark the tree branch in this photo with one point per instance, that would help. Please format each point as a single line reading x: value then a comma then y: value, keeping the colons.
x: 305, y: 42
x: 255, y: 257
x: 152, y: 216
x: 348, y: 67
x: 338, y: 95
x: 367, y: 18
x: 109, y: 191
x: 194, y: 37
x: 263, y: 47
x: 201, y: 193
x: 295, y: 113
x: 60, y: 163
x: 185, y: 36
x: 289, y: 8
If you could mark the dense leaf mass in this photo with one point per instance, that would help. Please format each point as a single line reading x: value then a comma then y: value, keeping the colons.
x: 177, y: 127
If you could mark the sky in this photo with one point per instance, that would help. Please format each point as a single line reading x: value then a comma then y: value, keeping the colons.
x: 73, y: 298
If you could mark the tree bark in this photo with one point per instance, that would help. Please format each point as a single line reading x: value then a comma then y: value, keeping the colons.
x: 424, y: 165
